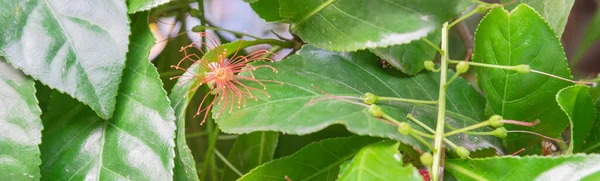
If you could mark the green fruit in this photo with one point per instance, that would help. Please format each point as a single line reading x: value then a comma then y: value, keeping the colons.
x: 426, y: 159
x: 500, y: 132
x: 462, y: 152
x: 404, y: 128
x: 496, y: 121
x: 522, y: 68
x: 369, y: 98
x: 462, y: 67
x: 429, y: 65
x: 375, y: 110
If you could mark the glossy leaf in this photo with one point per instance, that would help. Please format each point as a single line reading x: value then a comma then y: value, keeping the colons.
x: 266, y: 9
x: 572, y: 167
x: 359, y: 24
x: 134, y: 6
x: 409, y: 58
x: 317, y: 161
x: 350, y: 74
x: 522, y: 37
x: 555, y: 12
x: 249, y: 151
x: 379, y: 161
x: 20, y: 126
x: 576, y: 102
x: 78, y: 48
x: 136, y: 144
x: 590, y: 38
x: 181, y: 95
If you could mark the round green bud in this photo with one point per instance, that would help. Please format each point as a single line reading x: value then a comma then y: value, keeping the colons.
x: 375, y: 110
x: 462, y: 152
x: 500, y: 132
x: 404, y: 128
x: 369, y: 98
x: 429, y: 65
x: 462, y: 67
x: 522, y: 68
x: 482, y: 8
x: 426, y: 159
x: 495, y: 121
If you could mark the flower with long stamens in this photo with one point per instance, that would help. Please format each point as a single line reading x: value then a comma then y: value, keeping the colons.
x: 224, y: 76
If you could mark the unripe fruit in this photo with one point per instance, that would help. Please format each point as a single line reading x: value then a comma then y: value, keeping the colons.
x: 429, y: 65
x: 522, y: 68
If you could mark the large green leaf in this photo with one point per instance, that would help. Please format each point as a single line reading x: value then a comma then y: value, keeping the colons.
x: 379, y: 161
x: 249, y: 151
x: 572, y: 167
x: 136, y: 144
x: 576, y: 102
x: 556, y: 12
x: 20, y: 126
x: 266, y: 9
x: 409, y: 58
x: 348, y: 25
x: 143, y: 5
x: 77, y: 48
x: 350, y: 74
x: 592, y: 142
x: 522, y: 37
x: 317, y: 161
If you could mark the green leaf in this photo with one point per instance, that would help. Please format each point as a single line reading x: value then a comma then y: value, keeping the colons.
x: 290, y: 144
x: 522, y: 37
x: 249, y: 151
x: 181, y: 95
x: 317, y: 161
x: 266, y: 9
x: 360, y: 24
x: 379, y: 161
x: 409, y: 58
x: 556, y: 12
x: 78, y: 49
x: 572, y: 167
x: 592, y: 142
x: 576, y: 102
x: 134, y: 6
x: 590, y: 38
x: 20, y: 126
x: 136, y: 144
x: 350, y: 74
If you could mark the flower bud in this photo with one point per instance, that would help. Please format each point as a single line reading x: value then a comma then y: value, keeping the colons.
x: 369, y: 98
x: 500, y: 132
x: 462, y: 152
x: 375, y: 110
x: 429, y: 65
x: 495, y: 121
x: 404, y: 128
x: 462, y: 67
x: 426, y: 159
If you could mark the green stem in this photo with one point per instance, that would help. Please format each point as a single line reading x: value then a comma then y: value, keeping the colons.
x: 422, y: 134
x: 202, y: 21
x: 441, y: 115
x: 201, y: 28
x: 468, y: 128
x: 466, y: 172
x: 433, y: 45
x: 228, y: 163
x: 208, y: 157
x: 417, y: 137
x: 456, y: 74
x: 469, y: 14
x: 414, y: 101
x: 487, y: 133
x: 415, y: 120
x: 505, y: 67
x: 273, y: 49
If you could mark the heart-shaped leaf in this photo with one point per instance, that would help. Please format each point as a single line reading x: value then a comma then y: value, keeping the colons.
x: 249, y: 151
x: 136, y: 144
x: 20, y: 126
x: 78, y: 49
x: 353, y: 75
x: 522, y: 37
x: 349, y: 25
x: 576, y: 102
x: 317, y: 161
x: 379, y: 161
x: 572, y: 167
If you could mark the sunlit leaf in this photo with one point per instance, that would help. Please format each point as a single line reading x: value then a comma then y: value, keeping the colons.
x: 576, y: 102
